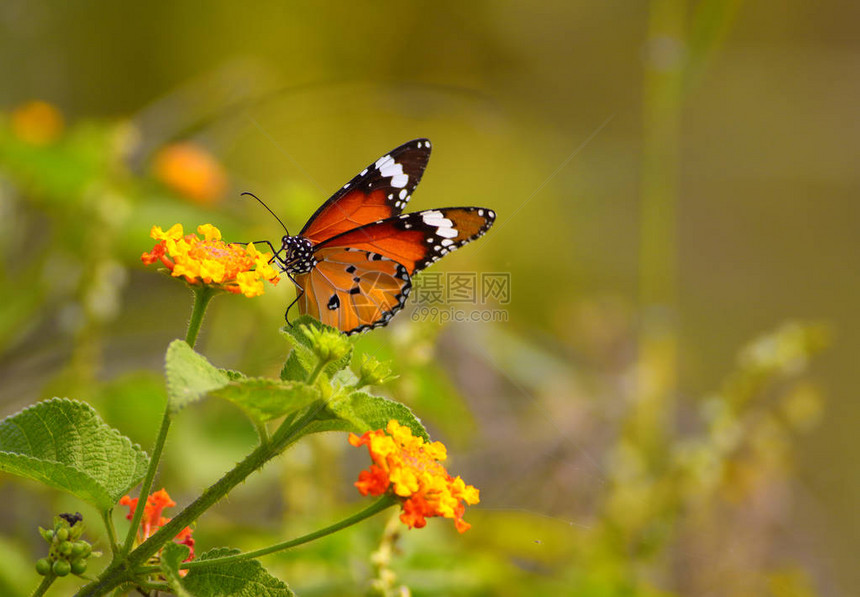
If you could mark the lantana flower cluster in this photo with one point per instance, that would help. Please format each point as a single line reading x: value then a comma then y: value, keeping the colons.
x: 153, y: 520
x: 239, y: 269
x: 191, y: 171
x: 411, y: 469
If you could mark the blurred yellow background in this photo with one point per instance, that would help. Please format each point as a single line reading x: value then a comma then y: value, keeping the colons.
x: 672, y: 180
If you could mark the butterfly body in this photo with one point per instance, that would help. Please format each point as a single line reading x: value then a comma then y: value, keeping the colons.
x: 299, y: 258
x: 354, y: 260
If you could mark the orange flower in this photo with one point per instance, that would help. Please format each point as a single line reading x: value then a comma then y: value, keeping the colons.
x: 191, y: 171
x: 37, y: 123
x: 410, y: 468
x: 231, y: 267
x: 153, y: 520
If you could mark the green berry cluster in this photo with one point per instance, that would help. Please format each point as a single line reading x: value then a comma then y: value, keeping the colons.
x: 68, y: 553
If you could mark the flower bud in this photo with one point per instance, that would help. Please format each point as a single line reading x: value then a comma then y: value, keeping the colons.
x: 373, y: 372
x: 43, y: 566
x: 79, y: 566
x: 328, y: 344
x: 61, y: 567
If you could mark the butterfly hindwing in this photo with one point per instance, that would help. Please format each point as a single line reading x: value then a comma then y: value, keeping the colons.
x: 416, y: 240
x: 353, y: 290
x: 380, y: 191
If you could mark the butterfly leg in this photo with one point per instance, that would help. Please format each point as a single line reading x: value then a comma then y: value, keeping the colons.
x: 295, y: 300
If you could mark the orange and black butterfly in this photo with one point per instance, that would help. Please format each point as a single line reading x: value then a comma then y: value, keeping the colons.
x: 354, y: 260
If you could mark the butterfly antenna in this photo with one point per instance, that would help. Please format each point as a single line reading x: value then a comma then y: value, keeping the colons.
x: 269, y: 210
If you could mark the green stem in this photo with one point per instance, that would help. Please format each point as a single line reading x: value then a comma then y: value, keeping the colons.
x: 658, y: 253
x: 43, y: 586
x: 202, y: 296
x: 315, y: 373
x: 111, y: 531
x: 288, y: 433
x: 375, y: 508
x: 262, y: 432
x: 147, y: 482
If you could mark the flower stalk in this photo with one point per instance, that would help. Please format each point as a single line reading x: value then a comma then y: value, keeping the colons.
x: 202, y: 296
x: 47, y: 581
x: 375, y: 508
x: 121, y: 572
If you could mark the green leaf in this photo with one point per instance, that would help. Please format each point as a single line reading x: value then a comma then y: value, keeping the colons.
x: 172, y: 556
x: 190, y: 376
x: 244, y: 578
x: 302, y: 361
x: 65, y: 444
x: 265, y: 399
x: 359, y: 412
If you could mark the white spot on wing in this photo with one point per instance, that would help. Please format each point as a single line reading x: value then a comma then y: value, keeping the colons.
x: 390, y: 169
x: 444, y: 226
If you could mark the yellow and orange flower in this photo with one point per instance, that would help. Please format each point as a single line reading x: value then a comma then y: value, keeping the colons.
x: 191, y: 171
x: 411, y: 469
x: 153, y: 520
x: 239, y: 269
x: 37, y: 123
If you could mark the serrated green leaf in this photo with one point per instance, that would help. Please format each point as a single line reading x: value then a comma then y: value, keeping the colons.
x: 359, y: 412
x: 301, y: 361
x: 299, y: 364
x: 65, y: 444
x: 190, y: 376
x: 265, y: 399
x: 172, y: 556
x: 245, y: 578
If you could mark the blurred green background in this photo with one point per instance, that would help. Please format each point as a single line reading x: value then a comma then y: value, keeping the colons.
x: 675, y: 181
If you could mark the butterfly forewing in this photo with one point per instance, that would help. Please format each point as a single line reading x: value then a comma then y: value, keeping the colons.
x: 418, y: 239
x: 380, y: 191
x: 353, y: 290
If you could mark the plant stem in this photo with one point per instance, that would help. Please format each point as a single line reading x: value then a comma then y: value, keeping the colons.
x: 284, y: 436
x: 375, y: 508
x: 147, y: 481
x: 315, y: 373
x: 111, y: 531
x: 202, y: 296
x: 658, y: 254
x: 43, y: 586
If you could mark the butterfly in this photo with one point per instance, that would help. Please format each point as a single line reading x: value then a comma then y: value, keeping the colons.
x: 354, y: 260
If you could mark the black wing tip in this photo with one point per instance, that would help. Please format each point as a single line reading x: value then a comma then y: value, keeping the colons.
x: 419, y: 143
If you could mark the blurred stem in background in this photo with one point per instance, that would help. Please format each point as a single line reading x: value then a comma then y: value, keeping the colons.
x: 679, y: 42
x: 658, y: 265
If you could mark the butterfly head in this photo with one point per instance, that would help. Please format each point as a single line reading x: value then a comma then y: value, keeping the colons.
x: 298, y: 255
